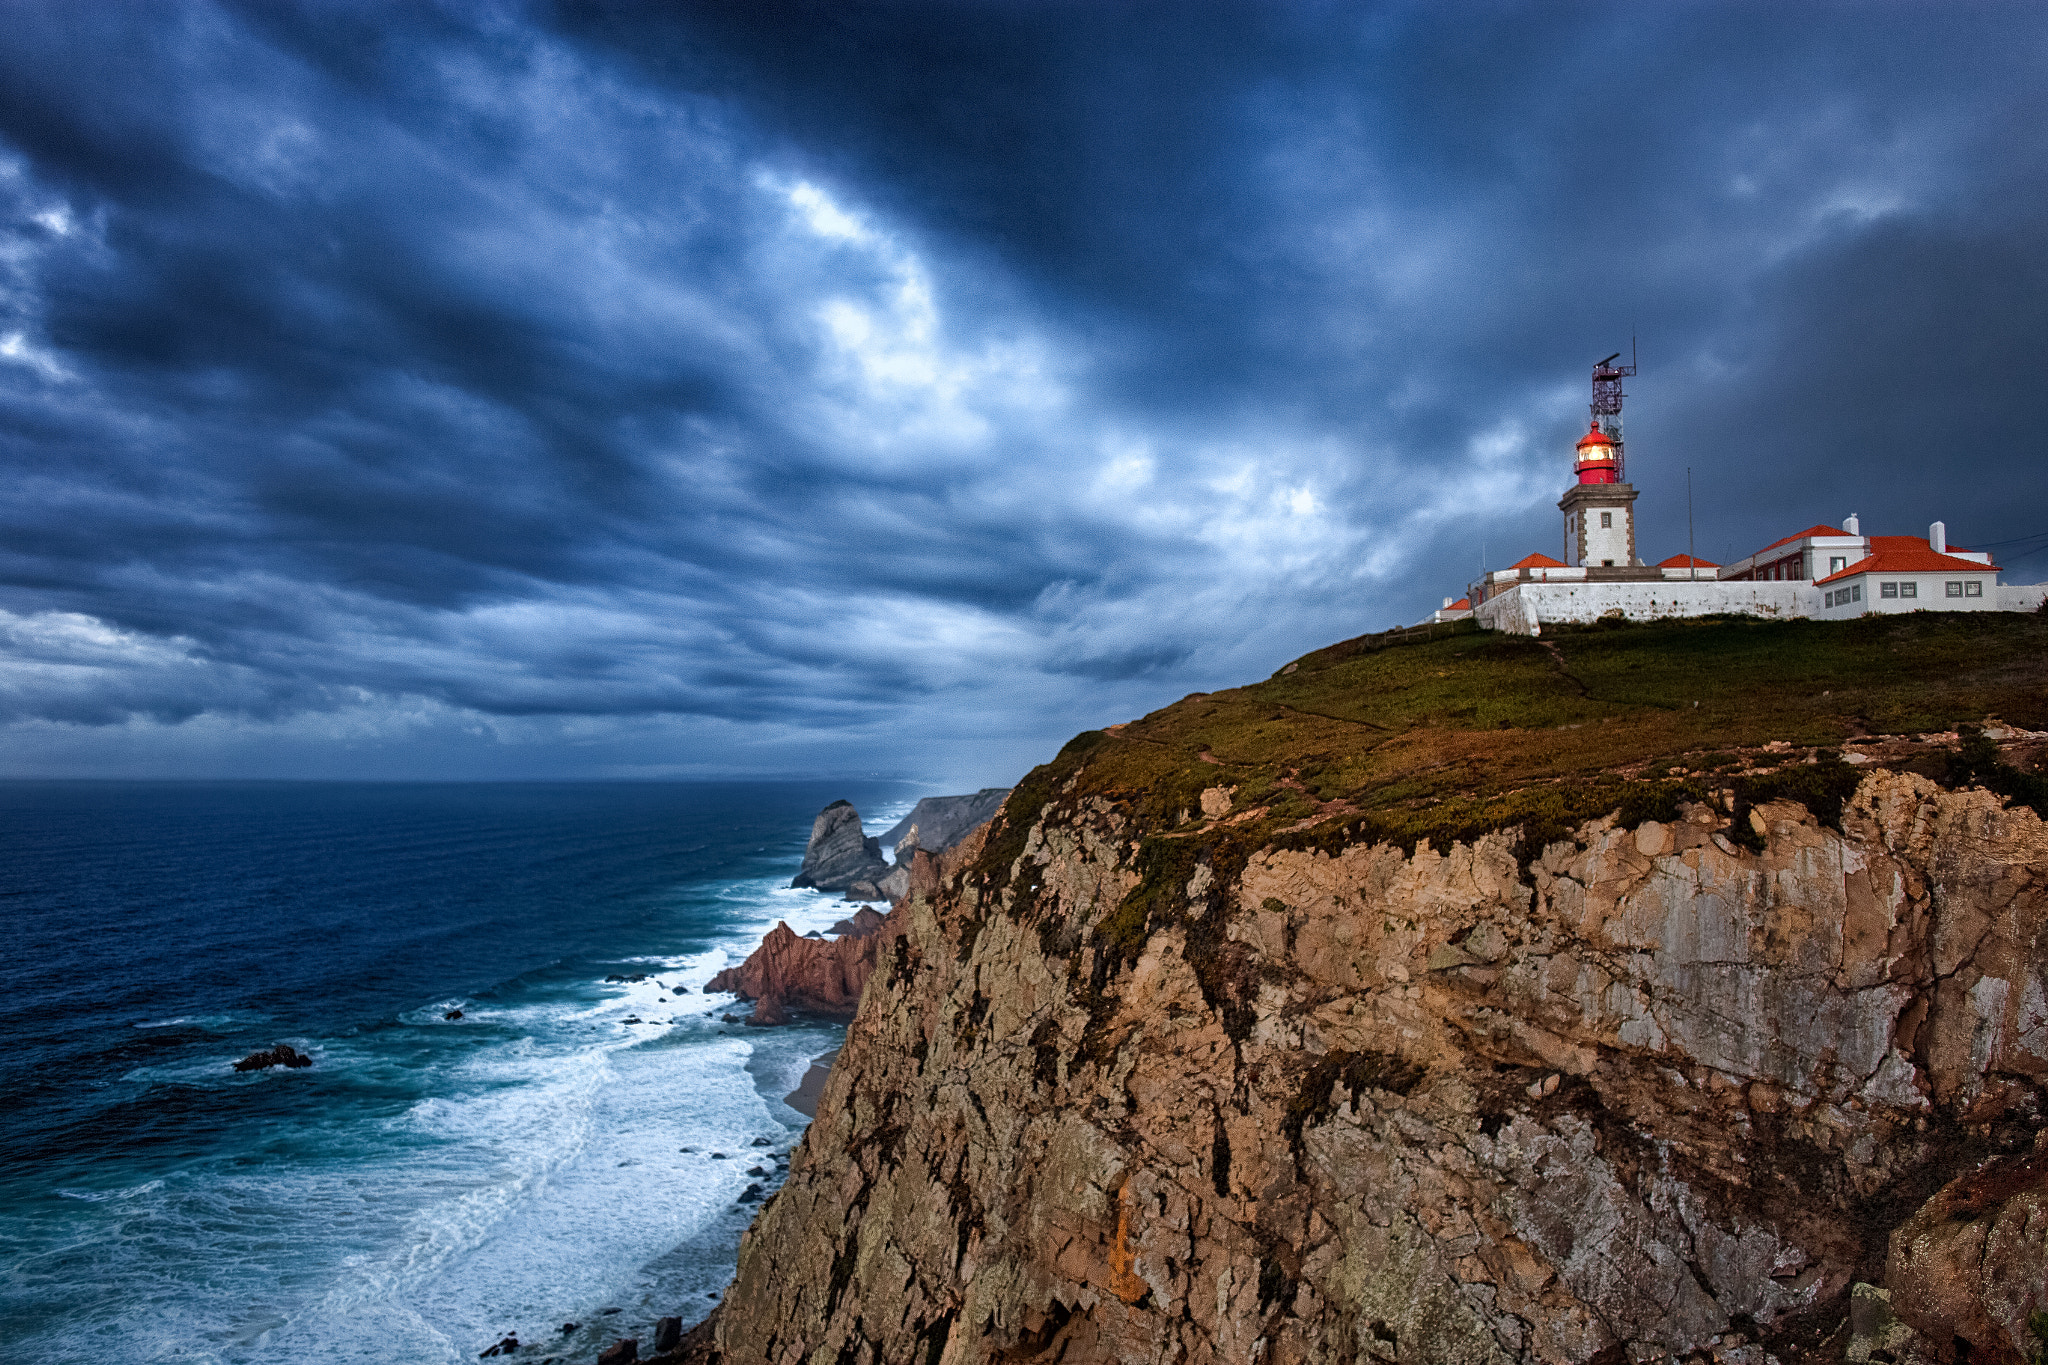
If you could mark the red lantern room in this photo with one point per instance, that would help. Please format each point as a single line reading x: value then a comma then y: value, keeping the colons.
x: 1599, y: 458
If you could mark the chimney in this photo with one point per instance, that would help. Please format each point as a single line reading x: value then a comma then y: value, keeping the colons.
x: 1449, y: 600
x: 1937, y: 538
x: 1850, y: 527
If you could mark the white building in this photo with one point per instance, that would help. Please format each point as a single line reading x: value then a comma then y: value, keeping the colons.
x: 1829, y: 572
x: 1903, y: 573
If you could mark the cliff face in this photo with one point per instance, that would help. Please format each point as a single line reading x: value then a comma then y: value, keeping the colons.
x: 936, y: 823
x: 1664, y: 1088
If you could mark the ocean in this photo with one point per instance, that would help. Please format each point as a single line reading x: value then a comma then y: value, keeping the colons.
x: 428, y: 1185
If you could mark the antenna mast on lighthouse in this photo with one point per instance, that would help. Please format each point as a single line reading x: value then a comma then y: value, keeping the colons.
x: 1607, y: 396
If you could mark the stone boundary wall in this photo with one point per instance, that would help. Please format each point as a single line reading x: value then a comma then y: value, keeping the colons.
x: 2020, y: 596
x: 1526, y: 607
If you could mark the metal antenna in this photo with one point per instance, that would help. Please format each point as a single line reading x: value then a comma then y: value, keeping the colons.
x: 1607, y: 396
x: 1692, y: 560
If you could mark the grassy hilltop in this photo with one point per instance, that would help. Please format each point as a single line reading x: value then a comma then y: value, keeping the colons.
x: 1448, y: 732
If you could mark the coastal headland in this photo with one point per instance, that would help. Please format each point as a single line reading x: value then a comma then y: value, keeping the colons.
x: 1670, y: 991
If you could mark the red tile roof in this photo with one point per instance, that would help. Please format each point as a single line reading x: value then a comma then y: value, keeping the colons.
x: 1687, y: 562
x: 1882, y: 543
x: 1538, y: 561
x: 1815, y: 531
x: 1462, y: 604
x: 1917, y: 559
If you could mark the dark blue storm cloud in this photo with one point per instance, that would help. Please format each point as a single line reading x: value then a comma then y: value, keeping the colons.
x: 483, y: 390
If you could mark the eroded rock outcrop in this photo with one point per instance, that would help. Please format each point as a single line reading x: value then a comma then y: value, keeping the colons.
x: 1972, y: 1264
x: 838, y: 854
x: 863, y: 921
x: 936, y: 823
x: 820, y: 976
x: 1651, y: 1095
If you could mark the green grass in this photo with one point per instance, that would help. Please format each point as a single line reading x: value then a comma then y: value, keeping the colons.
x: 1449, y: 733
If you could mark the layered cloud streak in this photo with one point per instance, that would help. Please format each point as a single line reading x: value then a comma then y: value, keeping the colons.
x: 508, y: 390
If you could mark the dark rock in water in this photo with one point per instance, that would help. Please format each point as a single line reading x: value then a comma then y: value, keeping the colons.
x: 620, y: 1352
x: 752, y: 1195
x: 607, y: 1312
x: 814, y: 934
x: 761, y: 1142
x: 503, y: 1348
x: 667, y: 1333
x: 938, y: 822
x: 838, y: 854
x: 631, y: 1019
x: 768, y: 1012
x: 569, y: 1327
x: 281, y: 1055
x: 718, y: 1156
x: 680, y: 990
x: 757, y: 1170
x: 452, y: 1014
x: 614, y: 977
x: 859, y: 924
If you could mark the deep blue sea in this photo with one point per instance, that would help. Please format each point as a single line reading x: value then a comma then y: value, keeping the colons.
x: 427, y: 1185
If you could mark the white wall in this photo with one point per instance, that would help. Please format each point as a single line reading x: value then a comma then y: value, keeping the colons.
x: 1603, y: 543
x: 1931, y: 594
x: 1526, y: 607
x: 2019, y: 596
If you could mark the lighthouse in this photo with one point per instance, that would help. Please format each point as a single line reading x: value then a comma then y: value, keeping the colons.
x: 1599, y: 506
x: 1599, y: 458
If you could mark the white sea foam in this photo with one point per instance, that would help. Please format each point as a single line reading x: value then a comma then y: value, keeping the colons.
x: 205, y: 1021
x: 543, y: 1176
x: 100, y: 1196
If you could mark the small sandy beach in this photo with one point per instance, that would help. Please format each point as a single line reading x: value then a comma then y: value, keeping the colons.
x: 804, y: 1099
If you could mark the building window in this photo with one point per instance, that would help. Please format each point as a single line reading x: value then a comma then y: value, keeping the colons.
x: 1836, y: 564
x: 1973, y: 588
x: 1888, y: 590
x: 1606, y: 521
x: 1955, y: 588
x: 1831, y: 599
x: 1909, y: 589
x: 1606, y: 563
x: 1856, y: 593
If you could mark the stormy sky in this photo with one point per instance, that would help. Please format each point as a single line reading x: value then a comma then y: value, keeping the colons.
x: 519, y: 390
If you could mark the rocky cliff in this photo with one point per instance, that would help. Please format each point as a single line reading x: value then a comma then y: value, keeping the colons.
x: 936, y: 823
x: 1330, y: 1020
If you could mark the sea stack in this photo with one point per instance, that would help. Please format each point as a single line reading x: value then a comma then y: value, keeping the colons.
x: 838, y: 854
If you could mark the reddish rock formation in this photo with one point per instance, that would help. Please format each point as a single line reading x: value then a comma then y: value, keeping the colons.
x: 1972, y: 1264
x: 821, y: 976
x: 861, y: 922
